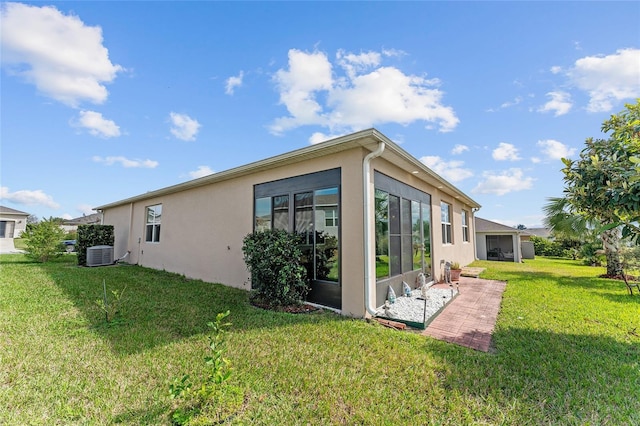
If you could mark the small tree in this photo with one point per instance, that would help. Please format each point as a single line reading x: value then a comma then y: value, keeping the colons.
x: 44, y: 240
x: 273, y: 259
x: 603, y: 185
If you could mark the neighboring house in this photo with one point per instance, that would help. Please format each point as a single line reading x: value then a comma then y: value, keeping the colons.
x: 90, y: 219
x: 12, y: 222
x: 528, y: 248
x: 379, y: 214
x: 538, y: 232
x: 495, y: 241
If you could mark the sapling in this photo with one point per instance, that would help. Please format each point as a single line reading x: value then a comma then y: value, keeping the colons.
x: 213, y: 383
x: 110, y: 308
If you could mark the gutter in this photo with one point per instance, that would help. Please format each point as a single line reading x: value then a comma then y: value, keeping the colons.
x: 369, y: 265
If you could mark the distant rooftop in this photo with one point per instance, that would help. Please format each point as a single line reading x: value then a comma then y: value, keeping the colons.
x: 539, y: 232
x: 8, y: 210
x: 85, y: 220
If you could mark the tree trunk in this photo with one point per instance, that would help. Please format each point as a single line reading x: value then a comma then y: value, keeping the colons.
x: 611, y: 242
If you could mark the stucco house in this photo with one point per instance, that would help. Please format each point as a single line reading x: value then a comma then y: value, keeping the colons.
x: 383, y: 214
x: 12, y: 222
x: 495, y: 241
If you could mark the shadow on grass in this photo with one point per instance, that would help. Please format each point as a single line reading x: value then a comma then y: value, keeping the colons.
x: 554, y: 378
x: 158, y: 307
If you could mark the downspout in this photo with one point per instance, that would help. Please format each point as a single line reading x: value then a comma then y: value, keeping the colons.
x: 369, y: 280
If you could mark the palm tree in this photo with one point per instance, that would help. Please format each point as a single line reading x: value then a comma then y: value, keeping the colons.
x: 564, y: 222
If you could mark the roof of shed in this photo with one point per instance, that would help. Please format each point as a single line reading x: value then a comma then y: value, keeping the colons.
x: 484, y: 225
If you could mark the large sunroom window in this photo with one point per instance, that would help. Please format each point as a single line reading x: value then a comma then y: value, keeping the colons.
x: 403, y: 229
x: 310, y: 207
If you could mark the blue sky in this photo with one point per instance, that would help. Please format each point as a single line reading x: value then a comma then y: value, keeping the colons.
x: 105, y: 100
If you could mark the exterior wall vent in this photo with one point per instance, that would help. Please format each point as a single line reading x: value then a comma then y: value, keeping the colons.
x: 99, y: 256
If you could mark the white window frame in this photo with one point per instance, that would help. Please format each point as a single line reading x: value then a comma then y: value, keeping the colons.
x: 155, y: 224
x: 331, y: 217
x: 465, y: 226
x: 447, y: 231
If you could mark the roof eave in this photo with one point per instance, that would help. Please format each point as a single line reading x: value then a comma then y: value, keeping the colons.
x: 362, y: 138
x: 368, y: 139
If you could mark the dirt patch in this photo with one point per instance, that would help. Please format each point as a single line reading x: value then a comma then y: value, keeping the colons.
x: 618, y: 277
x: 301, y: 308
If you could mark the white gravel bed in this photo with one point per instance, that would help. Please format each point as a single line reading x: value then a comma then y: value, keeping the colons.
x: 413, y: 308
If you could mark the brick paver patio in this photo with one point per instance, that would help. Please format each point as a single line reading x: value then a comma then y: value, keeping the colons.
x: 471, y: 318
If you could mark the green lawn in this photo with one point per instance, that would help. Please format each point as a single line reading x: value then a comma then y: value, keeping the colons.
x: 567, y: 351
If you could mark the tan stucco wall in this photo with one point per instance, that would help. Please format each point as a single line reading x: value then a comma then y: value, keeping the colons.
x: 202, y: 228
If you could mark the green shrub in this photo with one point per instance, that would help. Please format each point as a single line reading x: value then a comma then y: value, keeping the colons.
x: 71, y: 235
x: 92, y: 235
x: 545, y: 247
x: 274, y: 260
x: 44, y: 240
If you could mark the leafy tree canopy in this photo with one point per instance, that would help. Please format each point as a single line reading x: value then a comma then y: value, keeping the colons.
x: 44, y: 240
x: 603, y: 184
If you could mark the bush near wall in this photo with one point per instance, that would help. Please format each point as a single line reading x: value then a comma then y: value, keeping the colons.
x: 274, y: 259
x: 92, y: 235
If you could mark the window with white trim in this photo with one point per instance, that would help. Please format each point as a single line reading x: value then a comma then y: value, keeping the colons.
x: 152, y: 231
x: 465, y: 226
x: 445, y: 219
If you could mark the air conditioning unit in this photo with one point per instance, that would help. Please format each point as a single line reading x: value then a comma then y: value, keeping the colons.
x: 100, y: 256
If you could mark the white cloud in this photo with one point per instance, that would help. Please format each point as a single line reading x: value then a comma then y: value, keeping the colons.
x: 459, y: 149
x: 125, y: 162
x: 364, y: 95
x: 560, y: 103
x: 28, y: 197
x: 555, y: 150
x: 201, y: 171
x: 608, y: 79
x: 97, y: 124
x: 517, y: 100
x: 508, y: 104
x: 233, y: 82
x: 505, y: 151
x: 184, y: 127
x: 354, y: 64
x: 319, y: 137
x: 556, y: 69
x: 307, y: 74
x: 535, y: 160
x: 66, y: 216
x: 503, y: 182
x: 59, y: 54
x: 450, y: 170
